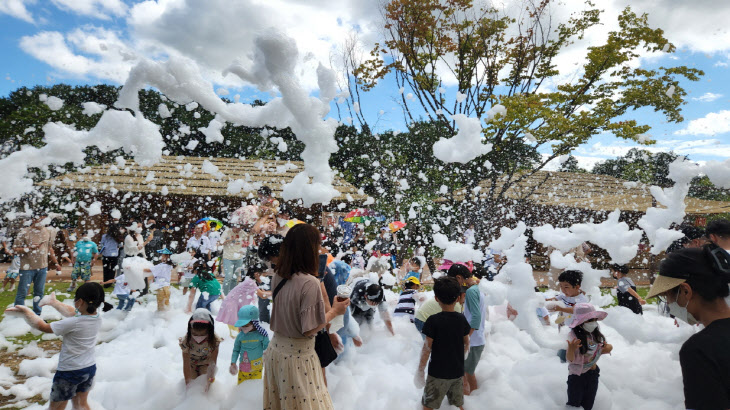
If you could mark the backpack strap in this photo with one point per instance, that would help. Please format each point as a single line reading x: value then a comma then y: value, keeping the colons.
x: 278, y: 288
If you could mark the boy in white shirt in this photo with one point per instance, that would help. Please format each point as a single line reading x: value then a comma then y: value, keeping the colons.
x: 569, y: 282
x: 122, y: 291
x: 162, y: 273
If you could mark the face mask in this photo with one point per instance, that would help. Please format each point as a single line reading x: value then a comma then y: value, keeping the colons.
x: 590, y: 326
x: 681, y: 313
x: 200, y: 339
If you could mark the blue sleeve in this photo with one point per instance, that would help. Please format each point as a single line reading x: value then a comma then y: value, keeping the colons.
x: 265, y: 342
x: 472, y: 302
x: 236, y: 349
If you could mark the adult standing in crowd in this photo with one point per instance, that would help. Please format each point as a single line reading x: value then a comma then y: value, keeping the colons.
x: 34, y: 245
x: 293, y: 379
x: 200, y: 243
x: 718, y: 231
x: 693, y: 282
x: 155, y: 239
x: 110, y: 246
x: 234, y: 241
x: 133, y: 242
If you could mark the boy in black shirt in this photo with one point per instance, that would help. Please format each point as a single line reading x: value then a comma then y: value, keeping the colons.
x: 447, y: 342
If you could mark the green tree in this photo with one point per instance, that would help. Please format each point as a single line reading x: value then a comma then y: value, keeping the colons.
x: 510, y: 61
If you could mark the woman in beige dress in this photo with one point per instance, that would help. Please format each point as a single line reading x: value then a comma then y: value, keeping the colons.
x: 293, y: 377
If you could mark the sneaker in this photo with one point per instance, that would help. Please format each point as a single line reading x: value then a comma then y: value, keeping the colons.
x: 70, y: 289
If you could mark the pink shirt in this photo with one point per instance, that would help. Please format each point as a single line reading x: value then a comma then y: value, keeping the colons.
x: 583, y: 362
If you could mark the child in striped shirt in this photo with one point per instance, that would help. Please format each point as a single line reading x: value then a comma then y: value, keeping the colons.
x: 407, y: 300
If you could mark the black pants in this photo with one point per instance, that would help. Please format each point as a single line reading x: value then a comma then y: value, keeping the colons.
x: 361, y: 316
x: 582, y: 389
x: 109, y: 264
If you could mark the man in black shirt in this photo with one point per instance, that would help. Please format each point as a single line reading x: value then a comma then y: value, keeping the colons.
x: 693, y: 282
x: 447, y: 341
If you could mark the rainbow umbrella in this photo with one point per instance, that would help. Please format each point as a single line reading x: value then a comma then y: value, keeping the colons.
x: 212, y: 223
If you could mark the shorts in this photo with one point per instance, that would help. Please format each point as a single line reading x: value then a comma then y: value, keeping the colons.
x: 11, y: 274
x: 66, y: 384
x: 436, y: 389
x: 163, y: 298
x: 81, y: 270
x: 472, y: 360
x: 257, y: 369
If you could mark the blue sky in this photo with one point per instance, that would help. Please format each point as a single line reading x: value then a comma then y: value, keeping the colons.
x: 97, y: 41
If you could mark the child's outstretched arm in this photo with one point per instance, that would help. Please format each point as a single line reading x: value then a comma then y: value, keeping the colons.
x: 62, y: 308
x: 30, y: 317
x: 191, y: 298
x: 420, y: 377
x: 636, y: 295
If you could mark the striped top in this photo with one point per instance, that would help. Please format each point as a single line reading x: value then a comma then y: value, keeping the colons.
x: 406, y: 304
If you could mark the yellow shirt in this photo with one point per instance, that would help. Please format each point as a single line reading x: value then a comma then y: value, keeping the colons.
x: 431, y: 307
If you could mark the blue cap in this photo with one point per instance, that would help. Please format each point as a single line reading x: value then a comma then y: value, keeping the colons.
x: 165, y: 251
x: 246, y: 314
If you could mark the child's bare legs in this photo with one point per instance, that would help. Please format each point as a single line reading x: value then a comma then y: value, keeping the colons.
x: 57, y: 405
x: 80, y: 401
x: 470, y: 383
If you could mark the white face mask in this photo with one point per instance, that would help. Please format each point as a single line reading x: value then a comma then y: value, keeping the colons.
x: 681, y: 313
x: 590, y: 326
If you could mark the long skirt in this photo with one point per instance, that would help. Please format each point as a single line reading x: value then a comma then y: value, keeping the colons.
x: 293, y: 376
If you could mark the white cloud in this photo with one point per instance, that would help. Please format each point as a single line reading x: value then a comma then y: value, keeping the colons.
x: 17, y: 9
x: 711, y: 124
x: 83, y: 52
x: 93, y: 8
x: 707, y: 97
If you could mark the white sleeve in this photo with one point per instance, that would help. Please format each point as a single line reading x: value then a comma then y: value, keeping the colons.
x: 63, y: 326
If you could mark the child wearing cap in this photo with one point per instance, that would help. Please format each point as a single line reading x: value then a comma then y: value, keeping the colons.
x: 586, y: 344
x: 446, y: 344
x: 200, y: 347
x: 85, y: 254
x: 162, y: 272
x: 76, y: 369
x: 248, y: 349
x: 407, y: 299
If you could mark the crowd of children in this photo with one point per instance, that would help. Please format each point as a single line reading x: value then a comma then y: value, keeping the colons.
x: 452, y: 322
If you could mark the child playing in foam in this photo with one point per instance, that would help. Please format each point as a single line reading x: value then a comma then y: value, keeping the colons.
x: 570, y: 282
x: 200, y: 347
x: 248, y: 349
x: 123, y: 292
x: 76, y: 369
x: 162, y: 272
x: 586, y: 344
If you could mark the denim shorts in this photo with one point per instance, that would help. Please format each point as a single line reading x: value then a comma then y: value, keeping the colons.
x: 67, y: 383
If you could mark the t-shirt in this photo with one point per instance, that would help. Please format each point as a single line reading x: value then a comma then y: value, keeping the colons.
x: 36, y: 258
x: 624, y: 284
x: 235, y: 249
x: 252, y: 343
x: 358, y: 298
x: 162, y: 273
x: 406, y: 304
x: 583, y: 362
x: 79, y: 340
x: 212, y: 287
x: 475, y: 314
x: 431, y: 307
x: 570, y: 301
x: 214, y: 237
x: 705, y: 361
x: 121, y: 286
x: 447, y: 329
x: 188, y: 268
x: 298, y: 307
x: 132, y: 245
x: 85, y: 251
x: 202, y: 244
